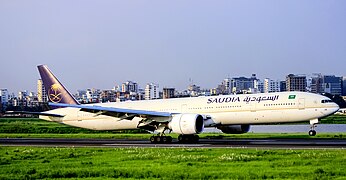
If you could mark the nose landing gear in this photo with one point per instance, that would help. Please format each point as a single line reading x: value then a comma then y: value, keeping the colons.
x: 313, y: 123
x: 312, y: 132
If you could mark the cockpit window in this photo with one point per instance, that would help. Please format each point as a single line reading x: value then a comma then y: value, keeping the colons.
x: 326, y: 101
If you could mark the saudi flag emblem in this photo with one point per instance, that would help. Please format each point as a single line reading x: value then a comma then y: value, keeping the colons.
x: 291, y: 96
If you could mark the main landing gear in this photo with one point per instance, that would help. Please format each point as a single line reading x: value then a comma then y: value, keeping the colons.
x: 161, y: 139
x: 313, y: 123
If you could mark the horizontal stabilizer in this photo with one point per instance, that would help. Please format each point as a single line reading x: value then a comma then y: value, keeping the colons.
x: 112, y: 109
x: 34, y: 113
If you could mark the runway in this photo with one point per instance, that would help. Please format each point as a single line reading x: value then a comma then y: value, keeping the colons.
x: 204, y: 143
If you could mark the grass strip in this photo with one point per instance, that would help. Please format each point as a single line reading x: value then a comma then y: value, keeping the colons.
x: 170, y: 163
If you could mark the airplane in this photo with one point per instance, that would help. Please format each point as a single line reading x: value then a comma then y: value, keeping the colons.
x: 185, y: 116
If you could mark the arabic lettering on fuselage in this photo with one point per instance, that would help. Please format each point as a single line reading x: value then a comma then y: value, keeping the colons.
x: 238, y: 99
x: 261, y: 98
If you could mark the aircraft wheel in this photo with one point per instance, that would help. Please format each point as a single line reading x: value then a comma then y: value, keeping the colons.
x: 152, y: 139
x: 312, y: 133
x: 169, y: 139
x: 159, y: 139
x: 166, y: 139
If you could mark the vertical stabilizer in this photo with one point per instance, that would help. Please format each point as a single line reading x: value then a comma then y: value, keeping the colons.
x: 56, y: 92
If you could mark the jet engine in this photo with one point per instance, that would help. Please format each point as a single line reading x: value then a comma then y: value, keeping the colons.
x: 187, y: 124
x: 235, y: 129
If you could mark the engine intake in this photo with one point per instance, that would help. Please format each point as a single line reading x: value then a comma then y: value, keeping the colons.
x: 187, y: 123
x: 235, y: 129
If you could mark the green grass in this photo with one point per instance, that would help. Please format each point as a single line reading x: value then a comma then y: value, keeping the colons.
x: 168, y: 163
x: 334, y: 119
x: 35, y: 125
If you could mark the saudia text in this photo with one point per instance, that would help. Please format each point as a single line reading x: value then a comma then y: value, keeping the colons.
x: 238, y: 99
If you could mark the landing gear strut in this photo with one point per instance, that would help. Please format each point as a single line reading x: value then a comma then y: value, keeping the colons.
x: 188, y: 138
x: 161, y: 139
x: 313, y: 123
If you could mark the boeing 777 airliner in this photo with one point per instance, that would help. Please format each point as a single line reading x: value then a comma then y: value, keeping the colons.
x: 185, y: 116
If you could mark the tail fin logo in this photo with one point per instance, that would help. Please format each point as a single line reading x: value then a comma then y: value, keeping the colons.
x: 54, y: 93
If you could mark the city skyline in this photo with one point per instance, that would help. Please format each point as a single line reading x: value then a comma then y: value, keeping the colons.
x: 141, y: 87
x: 168, y: 42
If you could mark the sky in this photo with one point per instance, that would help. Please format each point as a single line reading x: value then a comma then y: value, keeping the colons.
x: 100, y: 44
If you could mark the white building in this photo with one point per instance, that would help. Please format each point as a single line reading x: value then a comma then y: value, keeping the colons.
x: 227, y: 83
x: 151, y: 91
x: 93, y: 95
x: 22, y: 95
x: 129, y: 86
x: 41, y: 92
x: 270, y: 85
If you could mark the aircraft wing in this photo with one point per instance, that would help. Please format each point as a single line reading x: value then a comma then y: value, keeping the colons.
x: 110, y: 110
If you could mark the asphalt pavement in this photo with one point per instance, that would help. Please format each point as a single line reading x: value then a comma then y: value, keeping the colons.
x: 311, y: 143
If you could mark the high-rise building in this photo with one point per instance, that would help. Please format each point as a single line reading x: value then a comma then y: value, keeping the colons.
x: 271, y: 86
x: 129, y: 86
x: 228, y: 85
x: 344, y: 85
x: 242, y: 84
x: 4, y: 96
x: 283, y: 86
x: 332, y: 84
x: 326, y: 84
x: 260, y: 86
x: 296, y: 82
x: 151, y: 91
x: 316, y: 84
x: 168, y: 93
x: 41, y: 92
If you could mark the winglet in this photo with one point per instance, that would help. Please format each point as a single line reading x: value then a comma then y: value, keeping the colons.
x: 56, y: 92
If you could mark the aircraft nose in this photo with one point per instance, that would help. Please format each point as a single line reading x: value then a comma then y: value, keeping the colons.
x: 336, y: 107
x: 330, y: 108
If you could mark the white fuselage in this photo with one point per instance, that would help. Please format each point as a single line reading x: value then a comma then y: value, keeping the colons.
x: 281, y: 107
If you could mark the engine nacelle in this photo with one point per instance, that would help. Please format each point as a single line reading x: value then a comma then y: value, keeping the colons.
x: 187, y: 124
x: 235, y: 129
